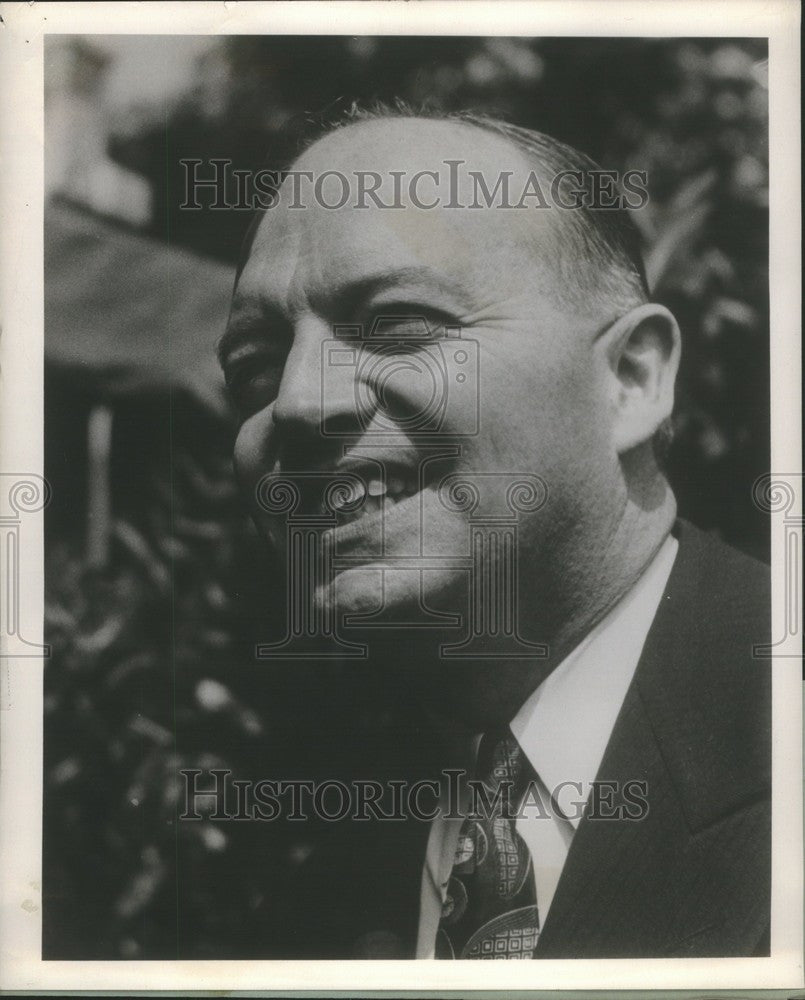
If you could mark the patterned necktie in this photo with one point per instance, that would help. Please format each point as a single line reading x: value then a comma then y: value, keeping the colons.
x: 490, y: 910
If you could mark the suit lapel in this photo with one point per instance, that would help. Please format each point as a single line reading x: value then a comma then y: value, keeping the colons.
x: 613, y: 866
x: 692, y: 875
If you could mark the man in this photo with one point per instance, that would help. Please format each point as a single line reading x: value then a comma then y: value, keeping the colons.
x: 628, y: 680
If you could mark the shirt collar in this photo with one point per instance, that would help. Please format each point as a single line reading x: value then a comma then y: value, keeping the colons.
x: 565, y: 724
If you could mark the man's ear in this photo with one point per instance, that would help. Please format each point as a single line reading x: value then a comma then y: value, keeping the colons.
x: 642, y: 351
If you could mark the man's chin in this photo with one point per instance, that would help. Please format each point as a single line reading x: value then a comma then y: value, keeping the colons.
x: 405, y: 625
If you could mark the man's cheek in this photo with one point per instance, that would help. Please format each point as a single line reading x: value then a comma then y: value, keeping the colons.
x: 251, y: 461
x: 250, y: 456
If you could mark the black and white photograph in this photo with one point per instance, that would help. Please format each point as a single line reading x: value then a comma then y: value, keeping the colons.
x: 407, y: 561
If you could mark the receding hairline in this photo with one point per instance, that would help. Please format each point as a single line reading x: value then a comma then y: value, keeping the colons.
x: 606, y: 242
x: 380, y: 121
x: 599, y: 259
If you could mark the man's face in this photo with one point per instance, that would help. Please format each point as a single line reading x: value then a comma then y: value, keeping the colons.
x: 505, y: 383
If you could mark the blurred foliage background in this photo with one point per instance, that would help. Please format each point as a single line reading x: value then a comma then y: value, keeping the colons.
x: 151, y: 667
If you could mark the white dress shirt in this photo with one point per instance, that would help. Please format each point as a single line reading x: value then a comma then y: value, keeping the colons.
x: 563, y: 729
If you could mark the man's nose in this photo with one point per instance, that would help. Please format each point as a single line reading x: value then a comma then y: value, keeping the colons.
x: 315, y: 397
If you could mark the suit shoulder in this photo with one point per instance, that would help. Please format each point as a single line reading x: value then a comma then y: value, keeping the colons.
x: 725, y: 588
x: 704, y: 680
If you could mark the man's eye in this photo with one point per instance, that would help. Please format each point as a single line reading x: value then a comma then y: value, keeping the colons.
x: 415, y: 328
x: 253, y: 382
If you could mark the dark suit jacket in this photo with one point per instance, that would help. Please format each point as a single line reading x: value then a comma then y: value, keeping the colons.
x: 692, y: 878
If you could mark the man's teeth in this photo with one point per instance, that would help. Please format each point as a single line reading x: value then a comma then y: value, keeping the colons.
x: 369, y: 498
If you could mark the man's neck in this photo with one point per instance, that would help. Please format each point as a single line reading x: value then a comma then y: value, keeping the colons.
x: 610, y: 566
x: 479, y: 694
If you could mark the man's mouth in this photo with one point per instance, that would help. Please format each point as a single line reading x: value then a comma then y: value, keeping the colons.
x: 367, y: 497
x: 362, y: 498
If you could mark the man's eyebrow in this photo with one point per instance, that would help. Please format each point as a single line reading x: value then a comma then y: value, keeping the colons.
x: 346, y: 300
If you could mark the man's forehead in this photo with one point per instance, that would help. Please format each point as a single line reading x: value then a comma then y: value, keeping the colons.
x: 302, y: 241
x: 303, y: 257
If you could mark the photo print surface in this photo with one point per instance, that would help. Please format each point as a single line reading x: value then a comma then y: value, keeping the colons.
x: 407, y: 562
